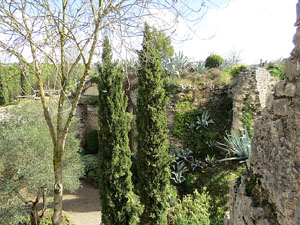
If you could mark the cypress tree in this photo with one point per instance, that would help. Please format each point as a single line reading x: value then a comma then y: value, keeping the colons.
x: 119, y: 203
x: 152, y: 153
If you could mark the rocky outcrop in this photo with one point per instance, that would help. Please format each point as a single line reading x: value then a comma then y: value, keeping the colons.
x: 251, y: 88
x: 268, y: 193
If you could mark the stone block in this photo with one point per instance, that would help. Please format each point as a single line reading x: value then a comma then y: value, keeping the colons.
x: 280, y: 88
x: 281, y: 106
x: 269, y: 103
x: 291, y: 69
x: 290, y: 90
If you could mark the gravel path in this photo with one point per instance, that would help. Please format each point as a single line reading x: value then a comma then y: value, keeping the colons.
x: 83, y: 206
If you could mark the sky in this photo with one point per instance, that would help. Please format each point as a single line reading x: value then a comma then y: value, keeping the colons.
x: 258, y: 29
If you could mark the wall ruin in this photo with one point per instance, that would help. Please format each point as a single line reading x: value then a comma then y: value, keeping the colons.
x: 268, y: 193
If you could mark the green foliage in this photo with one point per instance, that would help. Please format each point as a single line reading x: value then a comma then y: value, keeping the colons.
x: 162, y: 44
x: 237, y: 145
x: 25, y: 150
x: 217, y: 181
x: 234, y: 71
x: 181, y: 122
x: 201, y: 67
x: 213, y: 61
x: 277, y: 70
x: 250, y: 186
x: 92, y: 100
x: 193, y: 210
x: 119, y: 203
x: 170, y: 85
x: 92, y: 142
x: 175, y: 66
x: 189, y: 184
x: 248, y: 113
x: 4, y: 98
x: 90, y: 162
x: 152, y: 154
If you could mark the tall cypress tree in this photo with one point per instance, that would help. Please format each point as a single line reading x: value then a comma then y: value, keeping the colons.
x: 152, y: 153
x: 119, y: 203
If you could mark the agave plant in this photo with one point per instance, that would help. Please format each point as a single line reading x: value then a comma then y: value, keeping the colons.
x: 196, y: 164
x: 179, y: 169
x: 175, y: 65
x: 204, y: 120
x: 238, y: 145
x: 185, y: 155
x: 201, y: 67
x: 210, y: 159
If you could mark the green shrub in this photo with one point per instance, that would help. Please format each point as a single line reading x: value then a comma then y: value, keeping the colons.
x: 213, y: 61
x: 237, y: 69
x: 92, y: 100
x: 170, y: 85
x: 92, y: 142
x: 193, y: 210
x: 90, y: 162
x: 277, y: 70
x: 190, y: 182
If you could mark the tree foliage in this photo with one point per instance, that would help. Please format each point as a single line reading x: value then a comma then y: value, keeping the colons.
x: 213, y: 61
x: 152, y: 154
x: 119, y: 203
x: 25, y: 168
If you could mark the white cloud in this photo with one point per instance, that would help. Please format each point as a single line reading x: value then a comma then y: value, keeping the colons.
x: 262, y: 29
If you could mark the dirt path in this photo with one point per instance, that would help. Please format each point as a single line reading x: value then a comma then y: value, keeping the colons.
x: 84, y: 205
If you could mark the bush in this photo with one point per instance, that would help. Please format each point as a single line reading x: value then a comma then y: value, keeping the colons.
x: 170, y: 85
x: 213, y: 61
x: 276, y: 70
x: 237, y: 69
x: 190, y: 182
x: 92, y: 142
x: 193, y: 210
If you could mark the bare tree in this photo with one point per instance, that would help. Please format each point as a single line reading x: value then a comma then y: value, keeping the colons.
x: 44, y: 32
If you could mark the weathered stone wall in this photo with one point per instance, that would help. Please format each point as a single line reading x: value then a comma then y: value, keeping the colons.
x: 252, y: 87
x: 268, y: 193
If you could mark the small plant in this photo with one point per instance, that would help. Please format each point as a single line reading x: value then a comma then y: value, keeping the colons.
x: 204, y: 121
x: 238, y: 145
x: 173, y: 196
x: 201, y: 67
x: 237, y: 69
x: 213, y: 61
x: 193, y: 210
x: 210, y: 159
x: 185, y: 155
x: 179, y: 169
x: 175, y: 65
x: 196, y: 164
x: 190, y: 182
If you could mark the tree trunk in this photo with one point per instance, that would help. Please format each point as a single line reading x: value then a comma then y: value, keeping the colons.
x: 58, y: 193
x: 34, y: 216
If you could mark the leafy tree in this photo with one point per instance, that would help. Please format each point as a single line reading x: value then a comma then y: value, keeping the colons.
x: 3, y: 90
x: 152, y: 153
x: 213, y: 61
x: 119, y: 203
x: 163, y: 44
x: 25, y: 168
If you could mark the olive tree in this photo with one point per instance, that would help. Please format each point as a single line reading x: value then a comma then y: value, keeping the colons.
x: 65, y: 34
x: 25, y: 169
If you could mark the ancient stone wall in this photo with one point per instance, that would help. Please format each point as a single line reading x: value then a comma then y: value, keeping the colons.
x: 268, y: 193
x: 251, y: 87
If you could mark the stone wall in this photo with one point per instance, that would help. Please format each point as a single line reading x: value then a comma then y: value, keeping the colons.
x: 251, y: 87
x: 268, y: 193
